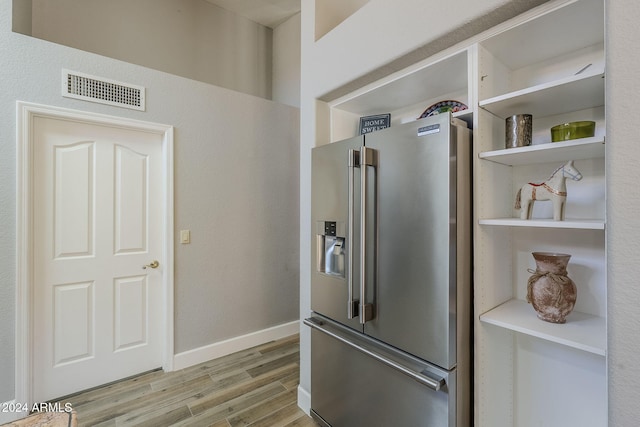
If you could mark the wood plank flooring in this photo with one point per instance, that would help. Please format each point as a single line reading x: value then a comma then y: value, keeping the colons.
x: 255, y: 387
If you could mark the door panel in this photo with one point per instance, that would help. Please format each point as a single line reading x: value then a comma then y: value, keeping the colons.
x: 73, y: 322
x: 74, y: 199
x: 97, y: 222
x: 329, y: 189
x: 415, y: 282
x: 131, y: 183
x: 130, y: 312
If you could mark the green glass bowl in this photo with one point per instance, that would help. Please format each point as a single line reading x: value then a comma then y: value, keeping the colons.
x: 573, y: 130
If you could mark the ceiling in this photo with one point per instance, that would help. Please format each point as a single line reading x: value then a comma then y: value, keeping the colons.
x: 269, y: 13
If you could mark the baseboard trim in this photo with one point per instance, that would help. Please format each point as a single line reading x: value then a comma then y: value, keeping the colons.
x: 304, y: 400
x: 223, y: 348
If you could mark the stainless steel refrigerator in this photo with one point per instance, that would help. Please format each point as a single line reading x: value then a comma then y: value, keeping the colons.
x: 391, y: 277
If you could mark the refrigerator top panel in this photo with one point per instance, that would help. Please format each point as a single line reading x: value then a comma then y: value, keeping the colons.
x: 416, y: 238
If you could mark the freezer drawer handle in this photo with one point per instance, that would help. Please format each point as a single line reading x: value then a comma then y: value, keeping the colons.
x: 354, y: 162
x: 434, y: 384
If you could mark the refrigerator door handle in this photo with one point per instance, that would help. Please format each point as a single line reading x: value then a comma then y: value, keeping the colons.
x: 353, y: 163
x: 433, y: 383
x: 367, y: 158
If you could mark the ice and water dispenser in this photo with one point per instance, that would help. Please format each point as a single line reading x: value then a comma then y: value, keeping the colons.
x: 331, y: 251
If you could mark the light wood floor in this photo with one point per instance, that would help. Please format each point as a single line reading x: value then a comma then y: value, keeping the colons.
x: 255, y: 387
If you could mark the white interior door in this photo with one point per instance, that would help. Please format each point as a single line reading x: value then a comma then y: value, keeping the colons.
x: 97, y: 221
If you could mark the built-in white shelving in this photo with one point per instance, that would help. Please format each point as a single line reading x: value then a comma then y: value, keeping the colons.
x: 550, y: 66
x: 439, y: 79
x: 577, y: 149
x: 568, y: 94
x: 578, y: 224
x: 549, y: 62
x: 581, y: 331
x: 406, y: 94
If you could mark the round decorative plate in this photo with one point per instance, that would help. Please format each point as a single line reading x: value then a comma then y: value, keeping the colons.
x: 443, y: 107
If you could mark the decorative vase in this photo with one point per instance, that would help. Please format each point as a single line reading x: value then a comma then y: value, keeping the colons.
x: 551, y: 292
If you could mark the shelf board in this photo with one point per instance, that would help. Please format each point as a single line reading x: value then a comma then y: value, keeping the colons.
x: 572, y: 93
x: 581, y: 224
x: 577, y: 149
x: 582, y: 331
x: 409, y: 87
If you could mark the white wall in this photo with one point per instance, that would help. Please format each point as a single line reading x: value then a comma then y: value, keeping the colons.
x: 189, y: 38
x: 382, y: 36
x: 236, y: 189
x: 623, y: 206
x: 382, y: 31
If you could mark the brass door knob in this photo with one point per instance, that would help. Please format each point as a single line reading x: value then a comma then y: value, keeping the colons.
x: 154, y: 264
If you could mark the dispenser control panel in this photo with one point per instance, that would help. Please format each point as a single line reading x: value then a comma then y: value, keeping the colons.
x: 329, y: 228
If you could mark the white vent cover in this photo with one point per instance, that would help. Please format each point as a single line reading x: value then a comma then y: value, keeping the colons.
x: 101, y: 90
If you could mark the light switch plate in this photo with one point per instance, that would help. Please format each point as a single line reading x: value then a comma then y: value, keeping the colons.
x: 185, y: 236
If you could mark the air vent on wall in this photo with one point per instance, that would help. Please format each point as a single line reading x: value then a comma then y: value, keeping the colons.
x: 97, y: 89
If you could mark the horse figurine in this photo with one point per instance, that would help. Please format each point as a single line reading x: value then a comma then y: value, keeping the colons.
x: 553, y: 189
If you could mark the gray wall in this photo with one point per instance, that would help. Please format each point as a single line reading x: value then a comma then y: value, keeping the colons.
x: 285, y: 86
x: 236, y: 189
x: 189, y: 38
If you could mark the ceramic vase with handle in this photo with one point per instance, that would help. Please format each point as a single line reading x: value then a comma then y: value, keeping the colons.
x: 551, y: 292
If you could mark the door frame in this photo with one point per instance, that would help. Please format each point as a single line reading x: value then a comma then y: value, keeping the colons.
x: 26, y: 112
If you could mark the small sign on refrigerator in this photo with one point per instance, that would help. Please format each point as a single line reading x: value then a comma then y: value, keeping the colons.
x: 370, y: 124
